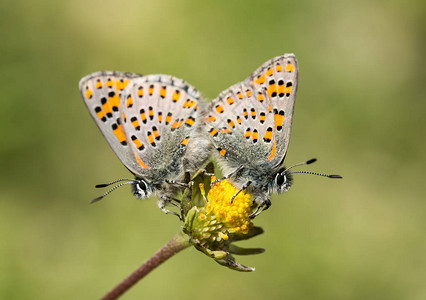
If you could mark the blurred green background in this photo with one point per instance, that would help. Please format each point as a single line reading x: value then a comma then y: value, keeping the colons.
x: 360, y: 110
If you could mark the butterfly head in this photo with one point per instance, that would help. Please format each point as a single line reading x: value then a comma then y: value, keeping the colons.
x: 141, y: 189
x: 283, y: 178
x: 281, y: 182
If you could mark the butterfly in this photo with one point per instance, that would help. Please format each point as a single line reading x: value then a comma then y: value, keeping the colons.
x: 152, y: 124
x: 249, y: 124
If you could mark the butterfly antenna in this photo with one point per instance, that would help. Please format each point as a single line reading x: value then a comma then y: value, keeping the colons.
x: 319, y: 174
x: 111, y: 190
x: 308, y: 162
x: 108, y: 184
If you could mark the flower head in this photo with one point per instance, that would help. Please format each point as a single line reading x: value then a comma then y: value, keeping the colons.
x: 220, y: 217
x: 220, y: 220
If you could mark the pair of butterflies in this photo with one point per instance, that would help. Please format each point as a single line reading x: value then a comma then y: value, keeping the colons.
x: 160, y: 128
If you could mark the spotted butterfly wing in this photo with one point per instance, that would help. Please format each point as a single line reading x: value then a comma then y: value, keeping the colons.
x: 277, y: 79
x: 159, y: 115
x: 102, y: 93
x: 250, y: 123
x: 150, y: 122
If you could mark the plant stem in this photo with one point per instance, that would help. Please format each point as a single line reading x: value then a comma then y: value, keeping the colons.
x: 179, y: 242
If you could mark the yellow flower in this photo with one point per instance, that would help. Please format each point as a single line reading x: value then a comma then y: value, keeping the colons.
x: 220, y: 217
x: 213, y: 222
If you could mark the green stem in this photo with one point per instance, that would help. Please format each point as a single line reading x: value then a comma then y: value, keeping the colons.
x: 179, y: 242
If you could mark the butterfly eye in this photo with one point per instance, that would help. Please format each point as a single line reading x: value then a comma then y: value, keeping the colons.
x: 140, y: 189
x: 142, y: 186
x: 280, y: 179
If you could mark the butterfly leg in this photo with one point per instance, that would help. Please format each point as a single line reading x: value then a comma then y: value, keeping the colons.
x: 182, y: 184
x: 162, y: 205
x: 246, y: 185
x: 203, y: 171
x: 266, y: 203
x: 176, y: 203
x: 240, y: 167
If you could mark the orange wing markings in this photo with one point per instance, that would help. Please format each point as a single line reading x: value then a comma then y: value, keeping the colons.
x: 176, y: 96
x: 260, y: 80
x: 129, y: 101
x: 110, y: 83
x: 221, y: 151
x: 121, y: 84
x: 274, y: 149
x: 141, y: 163
x: 89, y: 94
x: 267, y: 138
x: 185, y: 141
x: 272, y: 89
x: 288, y: 88
x: 290, y: 67
x: 163, y: 92
x: 213, y: 132
x: 117, y: 129
x: 114, y: 101
x: 98, y: 84
x: 247, y: 134
x: 100, y: 113
x: 279, y: 119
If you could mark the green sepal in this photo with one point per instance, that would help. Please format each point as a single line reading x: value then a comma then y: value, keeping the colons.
x: 244, y: 251
x: 252, y: 233
x: 189, y: 220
